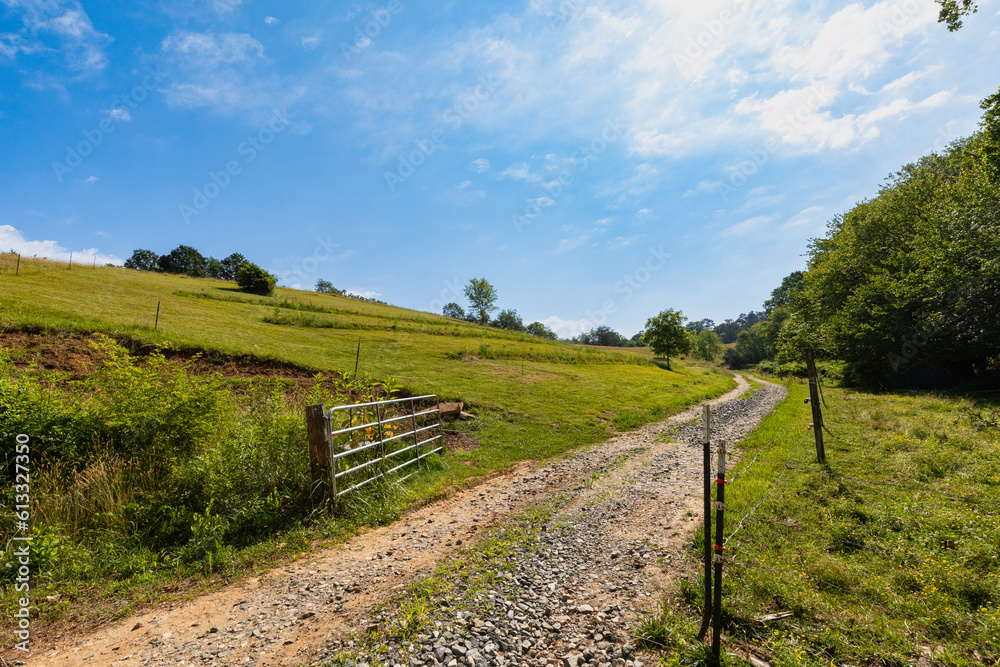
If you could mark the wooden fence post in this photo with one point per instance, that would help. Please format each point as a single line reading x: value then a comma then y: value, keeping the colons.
x: 320, y: 442
x: 816, y: 411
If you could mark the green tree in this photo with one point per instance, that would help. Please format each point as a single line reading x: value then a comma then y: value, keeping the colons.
x: 185, y: 260
x: 326, y: 287
x: 453, y: 310
x: 602, y: 335
x: 231, y: 264
x: 482, y: 299
x: 540, y: 330
x: 213, y: 268
x: 707, y: 345
x: 143, y: 260
x: 509, y: 320
x: 255, y: 280
x: 665, y: 334
x: 784, y: 294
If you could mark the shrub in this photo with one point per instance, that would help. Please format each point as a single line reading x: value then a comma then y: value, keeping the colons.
x: 255, y: 280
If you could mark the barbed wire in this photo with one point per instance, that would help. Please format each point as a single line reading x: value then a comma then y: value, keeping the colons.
x: 770, y: 444
x: 749, y: 514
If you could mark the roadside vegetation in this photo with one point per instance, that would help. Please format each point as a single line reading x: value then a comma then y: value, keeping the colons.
x: 154, y: 479
x: 885, y: 555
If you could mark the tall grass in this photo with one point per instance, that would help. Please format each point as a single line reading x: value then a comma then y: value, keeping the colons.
x: 144, y: 456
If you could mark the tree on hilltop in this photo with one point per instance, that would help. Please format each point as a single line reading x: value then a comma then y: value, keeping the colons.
x: 482, y: 299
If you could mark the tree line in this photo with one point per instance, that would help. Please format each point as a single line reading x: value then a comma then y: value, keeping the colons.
x: 186, y: 260
x: 905, y: 286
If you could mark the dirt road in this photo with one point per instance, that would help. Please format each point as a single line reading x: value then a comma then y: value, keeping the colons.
x: 626, y: 507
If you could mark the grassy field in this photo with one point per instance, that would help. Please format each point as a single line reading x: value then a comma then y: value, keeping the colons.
x: 886, y: 554
x: 244, y: 464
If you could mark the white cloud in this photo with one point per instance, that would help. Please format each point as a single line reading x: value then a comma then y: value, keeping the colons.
x: 64, y: 21
x: 748, y: 226
x: 270, y: 20
x: 368, y: 294
x: 206, y: 51
x: 809, y: 217
x: 517, y: 172
x: 90, y: 179
x: 225, y: 7
x: 311, y: 41
x: 464, y: 184
x: 13, y: 239
x: 120, y: 115
x: 567, y: 328
x: 481, y: 165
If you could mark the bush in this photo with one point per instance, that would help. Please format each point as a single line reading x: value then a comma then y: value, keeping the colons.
x: 255, y: 280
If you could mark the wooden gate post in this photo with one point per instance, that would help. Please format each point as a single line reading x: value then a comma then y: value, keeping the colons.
x: 320, y: 445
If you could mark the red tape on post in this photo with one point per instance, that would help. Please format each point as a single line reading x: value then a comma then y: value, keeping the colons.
x: 720, y: 481
x: 719, y: 548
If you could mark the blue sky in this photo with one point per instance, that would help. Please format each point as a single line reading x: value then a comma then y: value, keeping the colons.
x: 596, y: 161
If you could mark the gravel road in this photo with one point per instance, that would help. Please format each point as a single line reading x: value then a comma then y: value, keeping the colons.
x: 568, y: 593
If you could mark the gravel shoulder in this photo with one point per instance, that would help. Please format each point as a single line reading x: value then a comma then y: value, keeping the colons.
x: 618, y: 516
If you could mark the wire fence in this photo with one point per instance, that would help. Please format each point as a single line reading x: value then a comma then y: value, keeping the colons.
x: 754, y: 514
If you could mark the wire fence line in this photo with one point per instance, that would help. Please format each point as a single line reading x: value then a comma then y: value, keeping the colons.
x: 785, y: 468
x: 891, y: 601
x: 768, y: 446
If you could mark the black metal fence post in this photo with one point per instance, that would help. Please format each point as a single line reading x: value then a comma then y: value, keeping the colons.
x: 720, y: 507
x: 707, y: 465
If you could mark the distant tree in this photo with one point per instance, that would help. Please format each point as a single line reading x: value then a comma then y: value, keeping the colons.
x: 698, y: 326
x: 665, y: 334
x: 185, y: 260
x: 509, y: 320
x: 707, y: 345
x: 453, y: 310
x: 326, y: 287
x: 255, y: 280
x: 143, y: 260
x: 540, y: 330
x: 602, y: 335
x: 213, y: 268
x: 482, y: 299
x: 231, y: 264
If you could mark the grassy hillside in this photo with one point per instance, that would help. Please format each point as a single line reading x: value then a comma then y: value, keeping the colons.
x: 195, y: 474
